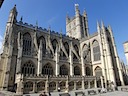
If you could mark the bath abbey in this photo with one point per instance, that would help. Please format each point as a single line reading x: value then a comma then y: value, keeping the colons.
x: 36, y: 59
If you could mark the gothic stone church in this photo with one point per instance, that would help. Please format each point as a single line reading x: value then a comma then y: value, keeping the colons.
x: 36, y: 59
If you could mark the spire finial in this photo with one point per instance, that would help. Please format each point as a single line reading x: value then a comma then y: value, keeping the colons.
x: 98, y: 27
x: 21, y: 18
x: 14, y: 9
x: 109, y: 26
x: 84, y: 12
x: 67, y: 16
x: 102, y: 23
x: 76, y: 7
x: 61, y: 32
x: 49, y: 29
x: 36, y: 26
x: 36, y: 23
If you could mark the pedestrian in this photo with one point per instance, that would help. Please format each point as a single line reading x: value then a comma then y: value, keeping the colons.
x: 44, y: 94
x: 58, y: 89
x: 49, y: 94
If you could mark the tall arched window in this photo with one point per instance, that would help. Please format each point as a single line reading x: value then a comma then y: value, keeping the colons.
x: 47, y: 69
x: 63, y: 70
x: 88, y: 71
x: 96, y: 51
x: 66, y: 47
x: 43, y: 42
x: 98, y: 71
x: 77, y: 70
x: 27, y: 43
x: 28, y: 68
x: 54, y: 44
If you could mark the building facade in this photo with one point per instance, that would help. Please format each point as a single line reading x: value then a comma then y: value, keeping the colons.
x: 126, y: 50
x: 125, y: 44
x: 36, y: 59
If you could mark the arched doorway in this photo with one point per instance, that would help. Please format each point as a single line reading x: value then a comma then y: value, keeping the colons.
x: 98, y: 74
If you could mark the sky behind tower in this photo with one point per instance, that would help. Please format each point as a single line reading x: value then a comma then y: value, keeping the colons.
x: 53, y: 12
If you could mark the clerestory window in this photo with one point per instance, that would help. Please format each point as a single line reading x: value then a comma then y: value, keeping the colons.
x: 27, y: 43
x: 96, y: 51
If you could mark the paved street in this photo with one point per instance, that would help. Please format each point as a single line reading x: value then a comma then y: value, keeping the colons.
x: 115, y: 93
x: 72, y: 93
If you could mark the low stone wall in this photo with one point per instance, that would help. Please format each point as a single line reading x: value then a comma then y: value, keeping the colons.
x: 123, y: 88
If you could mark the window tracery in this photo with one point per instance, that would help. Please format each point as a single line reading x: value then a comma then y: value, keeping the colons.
x: 88, y: 71
x: 28, y: 68
x: 27, y: 43
x: 98, y: 71
x: 43, y: 42
x: 77, y: 70
x: 47, y: 69
x: 28, y: 86
x: 63, y: 70
x: 96, y: 51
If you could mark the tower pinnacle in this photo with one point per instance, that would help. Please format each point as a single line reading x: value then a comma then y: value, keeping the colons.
x: 77, y: 8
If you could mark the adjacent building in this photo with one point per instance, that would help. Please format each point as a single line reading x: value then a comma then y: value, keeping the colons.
x: 36, y: 59
x: 126, y: 50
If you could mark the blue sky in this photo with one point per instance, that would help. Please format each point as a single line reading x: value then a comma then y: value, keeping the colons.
x: 53, y: 12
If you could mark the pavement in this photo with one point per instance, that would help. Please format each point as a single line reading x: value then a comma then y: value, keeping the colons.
x: 114, y: 93
x: 72, y: 93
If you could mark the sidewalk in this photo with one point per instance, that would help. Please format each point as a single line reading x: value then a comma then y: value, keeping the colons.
x: 115, y: 93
